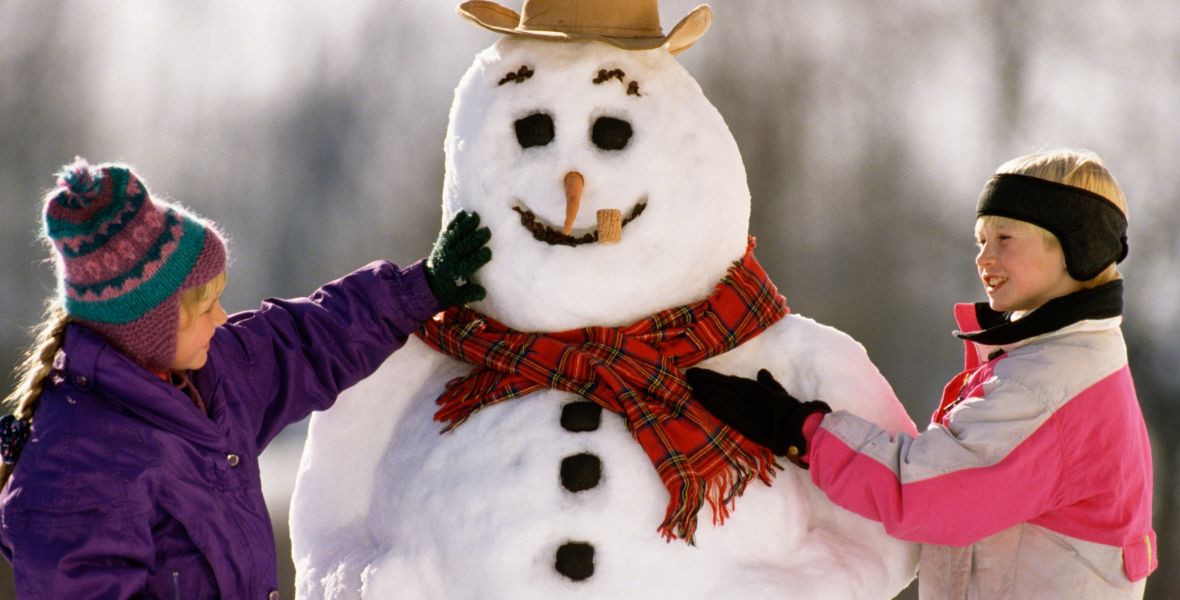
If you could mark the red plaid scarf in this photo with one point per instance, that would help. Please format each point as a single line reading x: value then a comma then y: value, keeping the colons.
x: 634, y: 371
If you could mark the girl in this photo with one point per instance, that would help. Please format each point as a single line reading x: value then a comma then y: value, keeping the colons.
x: 1034, y: 477
x: 145, y: 408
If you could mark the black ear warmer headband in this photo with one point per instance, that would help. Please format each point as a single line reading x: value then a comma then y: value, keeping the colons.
x: 1091, y: 229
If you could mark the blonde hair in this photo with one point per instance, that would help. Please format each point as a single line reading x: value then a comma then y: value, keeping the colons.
x: 999, y: 222
x: 192, y: 297
x: 1080, y: 169
x: 38, y: 362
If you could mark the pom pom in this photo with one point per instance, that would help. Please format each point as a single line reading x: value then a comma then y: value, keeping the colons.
x: 80, y: 183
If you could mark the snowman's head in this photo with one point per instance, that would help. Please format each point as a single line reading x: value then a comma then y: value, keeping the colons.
x: 544, y: 135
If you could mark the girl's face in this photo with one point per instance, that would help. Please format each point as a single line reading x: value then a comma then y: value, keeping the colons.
x: 196, y: 329
x: 1021, y: 270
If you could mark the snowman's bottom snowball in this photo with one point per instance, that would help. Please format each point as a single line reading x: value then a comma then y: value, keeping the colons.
x: 387, y: 507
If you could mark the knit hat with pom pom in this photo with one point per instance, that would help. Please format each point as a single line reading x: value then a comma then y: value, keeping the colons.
x: 123, y: 259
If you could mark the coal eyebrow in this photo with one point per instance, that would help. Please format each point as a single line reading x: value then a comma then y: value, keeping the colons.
x: 605, y: 75
x: 518, y: 76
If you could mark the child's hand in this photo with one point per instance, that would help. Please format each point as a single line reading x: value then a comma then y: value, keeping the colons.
x: 759, y: 409
x: 459, y: 252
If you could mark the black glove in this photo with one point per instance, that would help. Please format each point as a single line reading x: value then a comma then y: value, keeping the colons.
x: 459, y: 252
x: 759, y: 409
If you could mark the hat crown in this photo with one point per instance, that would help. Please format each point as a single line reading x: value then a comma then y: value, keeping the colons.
x: 611, y: 18
x: 627, y: 24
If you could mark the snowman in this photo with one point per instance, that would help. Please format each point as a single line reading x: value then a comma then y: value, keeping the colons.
x: 541, y: 443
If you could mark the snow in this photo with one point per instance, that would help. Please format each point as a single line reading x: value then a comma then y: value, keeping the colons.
x: 386, y: 506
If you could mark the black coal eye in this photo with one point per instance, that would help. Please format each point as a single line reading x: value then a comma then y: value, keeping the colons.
x: 534, y: 130
x: 610, y: 133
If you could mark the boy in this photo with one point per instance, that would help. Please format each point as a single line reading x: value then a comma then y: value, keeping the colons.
x: 1034, y: 477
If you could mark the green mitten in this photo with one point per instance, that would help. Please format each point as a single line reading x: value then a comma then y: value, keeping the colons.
x: 460, y: 251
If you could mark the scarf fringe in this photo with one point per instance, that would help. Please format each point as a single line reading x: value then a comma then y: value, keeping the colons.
x: 464, y: 396
x: 720, y: 492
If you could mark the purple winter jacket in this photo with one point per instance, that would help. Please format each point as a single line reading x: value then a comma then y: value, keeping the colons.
x: 125, y: 490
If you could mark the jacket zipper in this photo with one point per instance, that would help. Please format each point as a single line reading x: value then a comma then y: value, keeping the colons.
x: 176, y: 585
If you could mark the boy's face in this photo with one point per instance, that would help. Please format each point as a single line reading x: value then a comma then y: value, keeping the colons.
x: 196, y: 329
x: 1020, y: 269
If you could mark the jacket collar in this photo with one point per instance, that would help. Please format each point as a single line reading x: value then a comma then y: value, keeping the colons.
x: 980, y: 324
x: 90, y: 364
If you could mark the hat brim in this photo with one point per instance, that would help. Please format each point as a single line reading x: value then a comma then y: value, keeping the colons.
x: 503, y: 20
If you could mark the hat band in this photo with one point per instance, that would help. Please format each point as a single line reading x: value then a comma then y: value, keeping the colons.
x: 589, y: 31
x: 1092, y: 230
x: 108, y: 303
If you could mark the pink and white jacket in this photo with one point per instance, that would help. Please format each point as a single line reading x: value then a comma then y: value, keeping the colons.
x: 1032, y: 481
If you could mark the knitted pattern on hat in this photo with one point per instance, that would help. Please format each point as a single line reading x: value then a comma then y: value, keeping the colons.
x: 123, y: 259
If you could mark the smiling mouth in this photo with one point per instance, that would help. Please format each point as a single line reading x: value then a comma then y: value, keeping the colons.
x: 992, y: 282
x: 554, y: 237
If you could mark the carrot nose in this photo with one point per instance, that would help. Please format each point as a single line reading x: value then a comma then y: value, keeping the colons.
x: 573, y: 197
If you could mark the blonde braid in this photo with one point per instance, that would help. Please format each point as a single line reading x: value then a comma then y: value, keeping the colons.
x: 38, y: 362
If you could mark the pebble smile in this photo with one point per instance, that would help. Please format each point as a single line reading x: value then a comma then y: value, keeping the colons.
x: 555, y: 237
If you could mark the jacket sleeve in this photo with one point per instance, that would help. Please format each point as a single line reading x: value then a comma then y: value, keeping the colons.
x: 80, y: 556
x: 292, y: 357
x: 997, y: 463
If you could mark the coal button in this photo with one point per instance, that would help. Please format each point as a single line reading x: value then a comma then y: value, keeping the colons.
x: 575, y: 560
x: 580, y: 472
x: 581, y: 416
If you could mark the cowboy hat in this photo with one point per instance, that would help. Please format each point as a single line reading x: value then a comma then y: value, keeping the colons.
x: 628, y: 24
